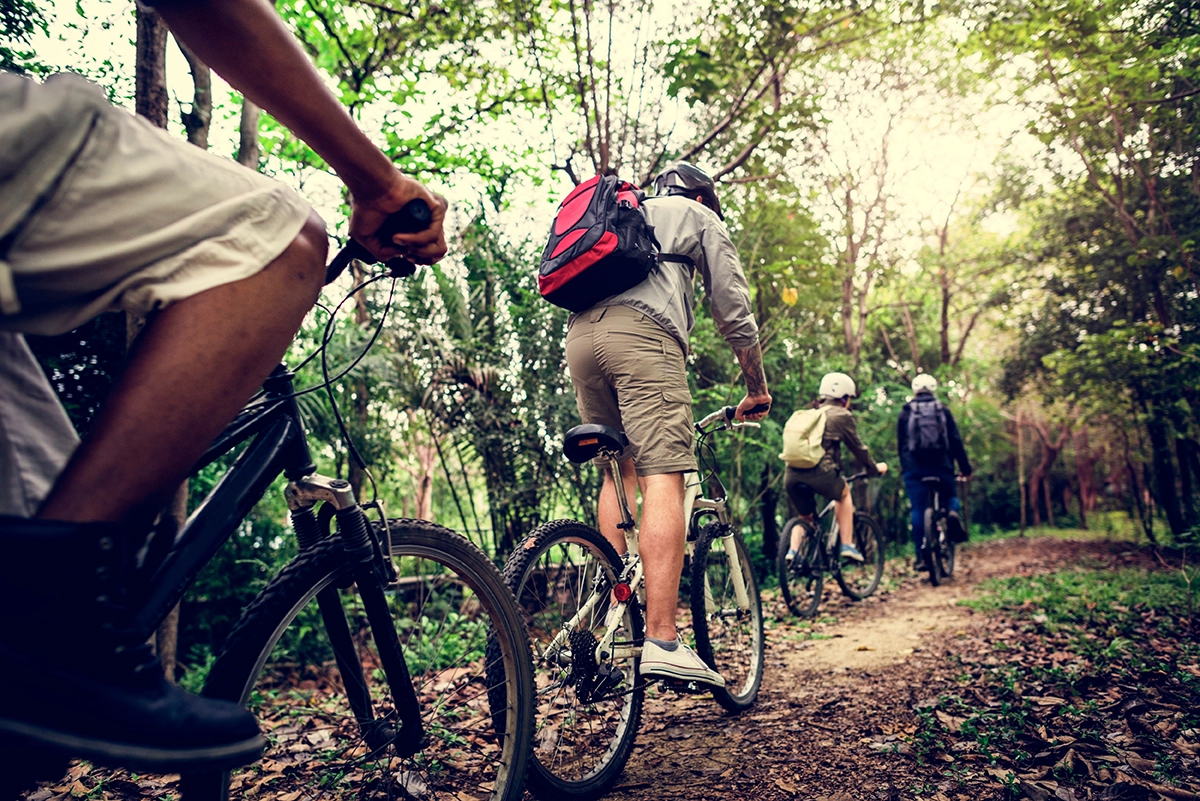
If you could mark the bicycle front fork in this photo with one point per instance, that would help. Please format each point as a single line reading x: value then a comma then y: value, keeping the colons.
x: 372, y: 569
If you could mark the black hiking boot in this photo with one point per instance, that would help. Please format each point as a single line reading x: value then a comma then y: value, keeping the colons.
x: 77, y: 680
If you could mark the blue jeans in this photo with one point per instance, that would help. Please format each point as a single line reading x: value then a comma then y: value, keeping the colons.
x: 917, y: 497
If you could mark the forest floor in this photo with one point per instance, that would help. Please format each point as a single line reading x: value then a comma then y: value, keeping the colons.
x: 913, y: 694
x: 1044, y: 669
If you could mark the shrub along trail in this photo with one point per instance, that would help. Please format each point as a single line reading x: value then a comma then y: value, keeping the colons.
x: 1070, y: 676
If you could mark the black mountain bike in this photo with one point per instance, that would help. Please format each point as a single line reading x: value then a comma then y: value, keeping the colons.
x: 802, y: 581
x: 419, y: 706
x: 583, y: 606
x: 939, y: 548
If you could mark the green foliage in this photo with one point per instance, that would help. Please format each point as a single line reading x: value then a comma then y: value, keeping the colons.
x: 19, y: 21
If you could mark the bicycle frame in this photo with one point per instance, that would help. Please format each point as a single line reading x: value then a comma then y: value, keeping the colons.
x: 696, y: 508
x: 278, y: 446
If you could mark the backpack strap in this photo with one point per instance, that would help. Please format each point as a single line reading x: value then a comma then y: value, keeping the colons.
x: 677, y: 259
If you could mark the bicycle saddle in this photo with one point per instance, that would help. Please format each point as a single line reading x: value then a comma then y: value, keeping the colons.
x: 931, y: 480
x: 585, y: 442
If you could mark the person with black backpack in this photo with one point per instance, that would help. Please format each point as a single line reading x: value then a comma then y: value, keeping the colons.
x: 929, y: 445
x: 627, y: 347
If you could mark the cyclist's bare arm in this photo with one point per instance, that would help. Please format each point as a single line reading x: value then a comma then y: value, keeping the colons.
x: 756, y: 384
x: 248, y: 45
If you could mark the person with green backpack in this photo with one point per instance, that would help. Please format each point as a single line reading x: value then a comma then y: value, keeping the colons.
x: 812, y: 440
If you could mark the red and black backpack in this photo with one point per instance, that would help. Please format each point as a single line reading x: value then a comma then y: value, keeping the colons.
x: 600, y: 245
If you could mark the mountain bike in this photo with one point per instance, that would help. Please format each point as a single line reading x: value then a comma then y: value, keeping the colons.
x: 583, y: 608
x: 424, y: 685
x: 938, y: 550
x: 802, y: 581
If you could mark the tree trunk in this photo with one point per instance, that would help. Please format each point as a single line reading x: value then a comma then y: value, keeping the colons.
x: 197, y: 119
x: 1021, y: 466
x: 1164, y: 472
x: 770, y: 506
x: 1041, y: 474
x: 248, y: 148
x: 1183, y: 449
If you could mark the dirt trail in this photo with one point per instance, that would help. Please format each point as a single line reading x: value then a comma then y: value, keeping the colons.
x: 822, y: 699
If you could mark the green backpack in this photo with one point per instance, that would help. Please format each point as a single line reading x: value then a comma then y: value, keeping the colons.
x: 802, y: 437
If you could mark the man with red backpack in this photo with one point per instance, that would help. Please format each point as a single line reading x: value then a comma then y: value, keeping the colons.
x: 929, y: 445
x: 627, y: 354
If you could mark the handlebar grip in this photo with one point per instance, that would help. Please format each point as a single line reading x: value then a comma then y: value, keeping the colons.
x: 414, y: 216
x: 762, y: 407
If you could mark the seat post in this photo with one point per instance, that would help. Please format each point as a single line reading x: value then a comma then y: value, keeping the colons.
x: 614, y: 468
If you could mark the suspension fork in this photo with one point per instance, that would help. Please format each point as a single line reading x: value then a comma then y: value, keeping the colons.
x: 372, y: 570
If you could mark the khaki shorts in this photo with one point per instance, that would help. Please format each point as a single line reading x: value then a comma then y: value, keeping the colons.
x: 629, y: 373
x: 801, y: 484
x: 124, y: 217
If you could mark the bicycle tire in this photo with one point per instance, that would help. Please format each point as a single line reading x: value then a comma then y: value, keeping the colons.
x: 582, y: 739
x: 729, y: 637
x: 862, y: 578
x: 803, y: 583
x: 442, y: 574
x: 950, y: 558
x: 932, y: 552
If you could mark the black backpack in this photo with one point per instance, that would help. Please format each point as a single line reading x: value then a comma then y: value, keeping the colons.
x: 600, y: 245
x: 927, y: 435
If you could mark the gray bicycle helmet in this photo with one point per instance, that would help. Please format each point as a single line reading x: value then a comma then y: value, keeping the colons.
x: 682, y: 178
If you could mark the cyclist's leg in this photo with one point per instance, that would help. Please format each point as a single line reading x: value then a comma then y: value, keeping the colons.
x: 661, y: 540
x: 803, y: 498
x: 917, y: 499
x: 843, y: 508
x: 197, y: 363
x: 609, y: 512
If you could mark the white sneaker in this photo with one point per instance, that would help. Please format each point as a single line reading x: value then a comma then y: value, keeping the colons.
x: 682, y: 664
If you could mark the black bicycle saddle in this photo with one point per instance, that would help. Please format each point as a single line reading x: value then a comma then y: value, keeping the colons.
x: 585, y: 442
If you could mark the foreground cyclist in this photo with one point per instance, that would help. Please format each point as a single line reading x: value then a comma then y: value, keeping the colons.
x: 929, y: 444
x: 100, y: 211
x: 834, y: 396
x: 627, y: 358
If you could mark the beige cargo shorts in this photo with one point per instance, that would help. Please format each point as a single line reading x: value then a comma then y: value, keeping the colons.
x: 629, y: 373
x: 102, y: 211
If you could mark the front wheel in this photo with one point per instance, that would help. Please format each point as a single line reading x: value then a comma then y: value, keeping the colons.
x: 588, y: 704
x: 859, y: 579
x: 801, y: 581
x: 448, y: 601
x: 727, y: 615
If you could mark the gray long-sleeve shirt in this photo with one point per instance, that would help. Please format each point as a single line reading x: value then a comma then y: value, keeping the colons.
x: 685, y: 227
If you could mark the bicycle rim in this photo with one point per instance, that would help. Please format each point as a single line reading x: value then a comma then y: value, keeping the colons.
x: 729, y: 634
x: 586, y: 716
x: 802, y: 582
x: 859, y: 579
x: 447, y: 601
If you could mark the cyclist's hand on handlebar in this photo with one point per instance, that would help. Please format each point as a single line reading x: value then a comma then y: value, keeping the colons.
x: 753, y: 407
x: 881, y: 467
x: 368, y: 213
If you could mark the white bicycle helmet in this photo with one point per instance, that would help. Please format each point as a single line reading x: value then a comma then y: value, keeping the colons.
x: 837, y: 385
x: 924, y: 383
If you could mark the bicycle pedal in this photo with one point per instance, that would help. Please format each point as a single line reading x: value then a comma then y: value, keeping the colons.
x: 683, y: 687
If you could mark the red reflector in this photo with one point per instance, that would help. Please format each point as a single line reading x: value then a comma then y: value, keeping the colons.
x: 622, y: 592
x: 592, y: 441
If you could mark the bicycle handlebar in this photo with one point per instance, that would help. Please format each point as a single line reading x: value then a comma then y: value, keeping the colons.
x: 725, y: 415
x: 413, y: 217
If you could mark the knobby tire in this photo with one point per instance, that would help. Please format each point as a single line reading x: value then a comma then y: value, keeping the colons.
x: 859, y: 581
x: 729, y: 638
